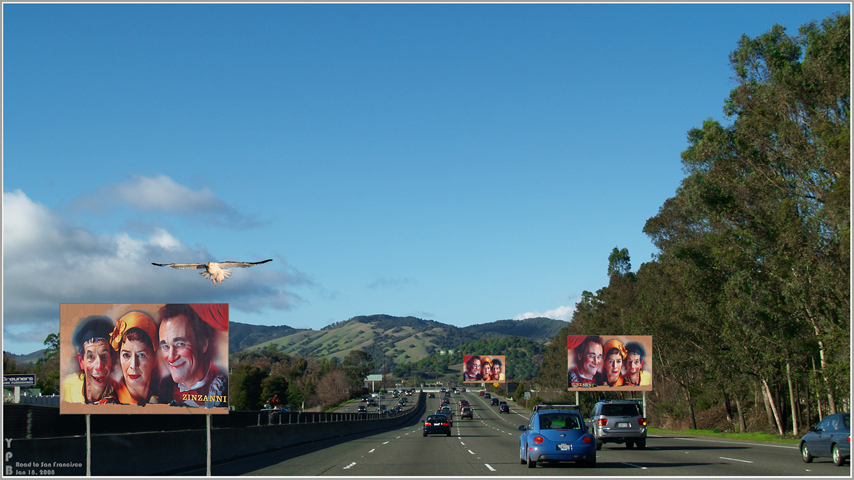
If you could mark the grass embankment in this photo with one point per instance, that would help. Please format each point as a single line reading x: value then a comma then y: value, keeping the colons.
x: 752, y: 436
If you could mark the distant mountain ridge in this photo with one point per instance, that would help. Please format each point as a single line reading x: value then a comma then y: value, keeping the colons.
x: 398, y: 340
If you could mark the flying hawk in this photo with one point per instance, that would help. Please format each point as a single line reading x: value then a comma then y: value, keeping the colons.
x: 216, y: 271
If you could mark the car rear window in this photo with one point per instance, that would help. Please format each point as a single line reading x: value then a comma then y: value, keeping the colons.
x: 625, y: 410
x: 553, y: 421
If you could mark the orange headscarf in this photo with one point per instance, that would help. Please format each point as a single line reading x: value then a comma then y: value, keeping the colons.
x: 130, y: 320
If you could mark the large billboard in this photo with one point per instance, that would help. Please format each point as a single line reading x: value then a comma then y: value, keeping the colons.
x: 143, y: 358
x: 484, y: 368
x: 609, y: 362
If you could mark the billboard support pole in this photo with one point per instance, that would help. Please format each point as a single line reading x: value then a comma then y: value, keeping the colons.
x: 209, y: 442
x: 644, y: 404
x: 577, y: 401
x: 88, y: 446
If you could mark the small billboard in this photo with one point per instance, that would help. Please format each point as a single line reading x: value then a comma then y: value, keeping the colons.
x: 484, y: 368
x: 143, y: 358
x: 609, y: 362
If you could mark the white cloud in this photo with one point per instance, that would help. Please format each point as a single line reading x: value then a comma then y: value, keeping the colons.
x: 161, y: 194
x: 47, y: 262
x: 560, y: 313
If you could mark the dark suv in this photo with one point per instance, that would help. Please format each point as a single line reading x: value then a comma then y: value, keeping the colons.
x: 618, y: 421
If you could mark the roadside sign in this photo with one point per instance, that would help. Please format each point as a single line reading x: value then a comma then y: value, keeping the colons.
x: 19, y: 380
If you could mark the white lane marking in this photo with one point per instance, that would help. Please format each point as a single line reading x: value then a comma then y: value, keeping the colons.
x: 735, y: 459
x: 371, y: 450
x: 795, y: 447
x: 386, y: 442
x: 471, y: 452
x: 489, y: 467
x: 633, y: 465
x: 348, y: 466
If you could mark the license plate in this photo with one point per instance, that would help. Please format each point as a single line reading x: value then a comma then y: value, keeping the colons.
x: 623, y: 425
x: 564, y: 446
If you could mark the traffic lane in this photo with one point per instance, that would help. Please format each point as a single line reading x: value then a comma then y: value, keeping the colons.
x: 683, y: 456
x: 718, y: 457
x: 325, y: 457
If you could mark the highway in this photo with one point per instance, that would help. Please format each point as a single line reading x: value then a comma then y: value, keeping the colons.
x: 488, y: 445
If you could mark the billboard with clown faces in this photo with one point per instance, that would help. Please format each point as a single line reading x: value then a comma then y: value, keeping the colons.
x: 484, y: 368
x: 609, y: 362
x: 143, y: 358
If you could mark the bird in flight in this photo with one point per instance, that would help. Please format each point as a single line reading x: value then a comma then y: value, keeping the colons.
x: 215, y: 271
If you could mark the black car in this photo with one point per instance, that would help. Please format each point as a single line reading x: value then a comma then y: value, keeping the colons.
x: 363, y: 409
x: 503, y: 408
x: 495, y: 401
x: 436, y: 423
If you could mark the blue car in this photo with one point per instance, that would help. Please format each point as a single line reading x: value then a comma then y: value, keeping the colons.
x: 830, y: 438
x: 556, y: 433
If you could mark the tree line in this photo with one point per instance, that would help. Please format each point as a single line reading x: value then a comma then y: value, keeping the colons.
x: 748, y: 297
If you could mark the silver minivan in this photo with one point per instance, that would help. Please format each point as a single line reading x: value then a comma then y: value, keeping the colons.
x: 618, y: 421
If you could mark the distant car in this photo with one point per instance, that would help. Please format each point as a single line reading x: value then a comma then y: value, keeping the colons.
x: 830, y: 438
x: 437, y: 423
x: 466, y: 412
x: 556, y: 433
x: 618, y: 421
x: 494, y: 401
x: 431, y: 395
x: 464, y: 403
x: 363, y: 409
x: 446, y: 410
x: 487, y: 395
x: 480, y: 394
x: 364, y: 399
x: 503, y: 408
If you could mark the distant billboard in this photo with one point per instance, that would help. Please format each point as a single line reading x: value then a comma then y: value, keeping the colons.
x: 609, y: 362
x: 143, y: 358
x: 484, y: 368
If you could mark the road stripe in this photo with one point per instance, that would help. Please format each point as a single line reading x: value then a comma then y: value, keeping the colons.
x: 371, y: 450
x: 489, y: 467
x: 735, y: 459
x: 348, y: 466
x: 471, y: 452
x: 633, y: 465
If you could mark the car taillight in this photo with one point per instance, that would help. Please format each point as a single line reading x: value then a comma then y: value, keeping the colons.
x: 538, y: 440
x: 446, y: 424
x: 603, y: 422
x: 427, y: 424
x: 586, y: 439
x: 642, y: 422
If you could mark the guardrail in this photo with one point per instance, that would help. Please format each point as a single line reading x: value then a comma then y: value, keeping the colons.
x: 172, y: 444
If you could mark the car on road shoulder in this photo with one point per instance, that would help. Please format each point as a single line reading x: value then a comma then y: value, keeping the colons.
x: 830, y: 438
x: 556, y: 433
x: 466, y: 412
x: 436, y: 423
x: 618, y: 421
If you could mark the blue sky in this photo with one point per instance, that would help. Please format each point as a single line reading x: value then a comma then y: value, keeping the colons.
x: 458, y: 163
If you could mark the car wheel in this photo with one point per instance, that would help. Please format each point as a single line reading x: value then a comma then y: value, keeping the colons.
x: 838, y: 459
x: 598, y: 445
x: 590, y: 463
x: 805, y: 453
x: 531, y: 463
x: 448, y: 435
x: 425, y: 434
x: 641, y: 443
x: 630, y: 444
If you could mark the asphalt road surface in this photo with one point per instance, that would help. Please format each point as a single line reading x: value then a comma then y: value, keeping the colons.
x: 488, y: 445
